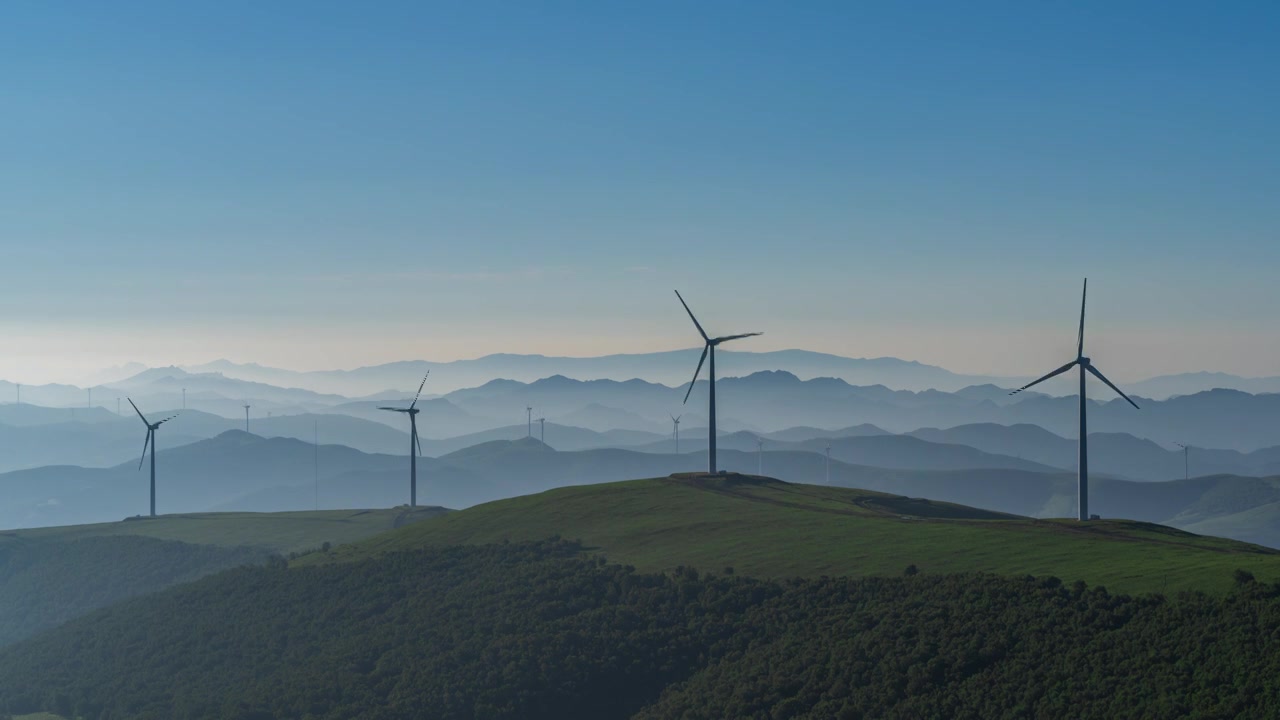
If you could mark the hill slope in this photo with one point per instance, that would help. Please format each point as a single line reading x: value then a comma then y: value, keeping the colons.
x: 536, y: 631
x: 51, y: 575
x: 769, y: 528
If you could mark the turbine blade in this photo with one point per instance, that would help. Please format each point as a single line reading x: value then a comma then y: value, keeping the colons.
x: 145, y: 443
x: 727, y: 338
x: 414, y: 404
x: 135, y: 409
x: 417, y: 439
x: 1055, y: 373
x: 696, y: 324
x: 1098, y: 374
x: 168, y: 419
x: 394, y: 409
x: 1084, y: 294
x: 705, y: 349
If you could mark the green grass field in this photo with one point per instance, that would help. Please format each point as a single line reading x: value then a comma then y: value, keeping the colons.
x: 773, y: 529
x: 283, y: 532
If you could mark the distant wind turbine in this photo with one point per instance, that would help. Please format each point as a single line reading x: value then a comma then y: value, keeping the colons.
x: 760, y: 456
x: 315, y: 429
x: 1086, y: 366
x: 415, y: 444
x: 151, y: 440
x: 542, y: 430
x: 246, y: 417
x: 675, y: 432
x: 1186, y: 462
x: 709, y: 349
x: 529, y: 412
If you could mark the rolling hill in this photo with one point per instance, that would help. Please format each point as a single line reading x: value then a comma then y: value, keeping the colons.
x: 51, y: 575
x: 767, y: 528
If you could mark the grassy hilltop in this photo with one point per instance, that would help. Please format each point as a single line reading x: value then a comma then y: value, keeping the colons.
x: 279, y: 532
x: 768, y: 528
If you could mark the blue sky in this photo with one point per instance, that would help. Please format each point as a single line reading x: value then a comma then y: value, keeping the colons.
x: 320, y: 184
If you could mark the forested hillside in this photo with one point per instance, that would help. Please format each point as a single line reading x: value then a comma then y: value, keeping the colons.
x: 50, y: 575
x: 43, y: 584
x: 539, y: 631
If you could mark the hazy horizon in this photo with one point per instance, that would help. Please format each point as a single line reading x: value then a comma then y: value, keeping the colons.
x: 318, y: 187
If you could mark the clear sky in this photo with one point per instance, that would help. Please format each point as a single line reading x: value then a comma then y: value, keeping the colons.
x: 323, y: 184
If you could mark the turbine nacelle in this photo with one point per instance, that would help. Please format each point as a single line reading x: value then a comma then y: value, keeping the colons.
x: 709, y: 344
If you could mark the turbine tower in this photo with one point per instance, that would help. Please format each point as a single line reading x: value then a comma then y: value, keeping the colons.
x: 415, y: 445
x: 1186, y: 463
x: 709, y: 349
x: 1086, y: 366
x: 246, y: 417
x: 528, y: 411
x: 675, y: 432
x: 760, y: 456
x: 151, y: 435
x: 542, y: 430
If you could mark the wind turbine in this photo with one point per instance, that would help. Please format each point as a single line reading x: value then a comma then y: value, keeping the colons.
x: 415, y: 445
x: 151, y: 435
x: 709, y: 349
x: 1186, y: 463
x: 529, y: 412
x: 246, y: 417
x: 1086, y: 366
x: 760, y: 456
x: 542, y: 430
x: 675, y: 422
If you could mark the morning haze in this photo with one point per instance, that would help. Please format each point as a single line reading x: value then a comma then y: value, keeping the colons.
x: 341, y: 372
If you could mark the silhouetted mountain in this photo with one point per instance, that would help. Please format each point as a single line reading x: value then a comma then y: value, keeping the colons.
x: 1166, y: 386
x: 217, y: 393
x: 22, y: 414
x: 886, y: 451
x: 663, y: 367
x: 191, y: 478
x: 596, y: 415
x: 114, y: 440
x: 439, y: 418
x: 802, y: 433
x: 771, y: 401
x: 51, y: 395
x: 1114, y: 453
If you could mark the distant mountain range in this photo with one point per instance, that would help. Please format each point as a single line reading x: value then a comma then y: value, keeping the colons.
x: 1230, y: 431
x: 670, y: 368
x: 238, y: 471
